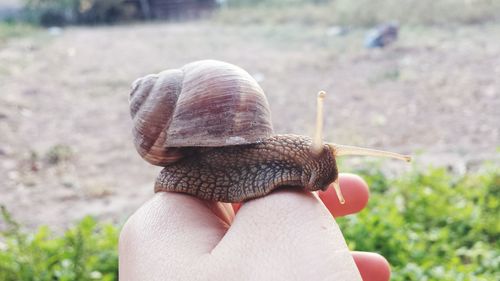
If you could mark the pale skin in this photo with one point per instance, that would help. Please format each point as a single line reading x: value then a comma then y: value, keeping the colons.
x: 282, y: 236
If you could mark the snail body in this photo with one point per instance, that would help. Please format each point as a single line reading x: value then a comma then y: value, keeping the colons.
x: 241, y: 172
x: 208, y: 123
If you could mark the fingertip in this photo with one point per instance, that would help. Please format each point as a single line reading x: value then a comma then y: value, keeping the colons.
x: 372, y: 266
x: 355, y: 191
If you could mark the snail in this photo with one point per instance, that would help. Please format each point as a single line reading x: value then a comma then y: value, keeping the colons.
x: 209, y: 125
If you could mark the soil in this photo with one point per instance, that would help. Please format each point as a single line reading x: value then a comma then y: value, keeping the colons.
x: 65, y: 143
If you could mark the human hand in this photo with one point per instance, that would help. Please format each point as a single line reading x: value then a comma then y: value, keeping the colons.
x: 287, y: 235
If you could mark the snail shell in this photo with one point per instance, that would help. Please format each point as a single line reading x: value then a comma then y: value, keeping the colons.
x: 206, y: 103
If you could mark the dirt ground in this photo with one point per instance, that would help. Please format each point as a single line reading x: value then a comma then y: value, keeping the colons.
x: 65, y: 141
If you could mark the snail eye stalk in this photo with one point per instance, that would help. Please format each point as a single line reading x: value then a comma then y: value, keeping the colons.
x: 318, y: 135
x: 342, y: 150
x: 317, y: 144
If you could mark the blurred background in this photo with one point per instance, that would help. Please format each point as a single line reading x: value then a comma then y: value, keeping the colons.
x: 419, y: 77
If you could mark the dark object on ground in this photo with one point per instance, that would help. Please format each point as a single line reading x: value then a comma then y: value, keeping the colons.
x: 382, y: 35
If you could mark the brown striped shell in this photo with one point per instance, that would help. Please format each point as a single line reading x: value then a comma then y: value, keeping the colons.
x: 206, y: 103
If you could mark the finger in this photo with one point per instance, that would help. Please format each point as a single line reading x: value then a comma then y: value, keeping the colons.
x: 285, y: 234
x: 372, y: 267
x: 224, y: 211
x: 236, y: 207
x: 355, y: 191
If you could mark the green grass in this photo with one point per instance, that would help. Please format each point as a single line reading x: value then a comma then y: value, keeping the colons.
x: 430, y: 225
x: 361, y: 12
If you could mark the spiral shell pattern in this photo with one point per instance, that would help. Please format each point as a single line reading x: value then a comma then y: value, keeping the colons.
x: 203, y: 104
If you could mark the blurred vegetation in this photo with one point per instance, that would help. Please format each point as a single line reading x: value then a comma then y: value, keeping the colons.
x: 59, y: 153
x: 429, y: 225
x: 88, y: 251
x: 360, y: 12
x: 63, y: 12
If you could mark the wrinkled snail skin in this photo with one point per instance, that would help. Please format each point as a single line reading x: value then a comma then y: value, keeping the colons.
x: 242, y: 172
